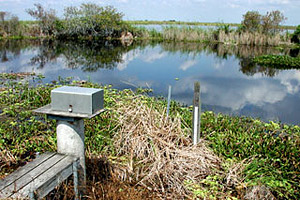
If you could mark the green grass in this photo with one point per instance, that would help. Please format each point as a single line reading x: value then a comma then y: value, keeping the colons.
x: 271, y: 149
x: 173, y: 22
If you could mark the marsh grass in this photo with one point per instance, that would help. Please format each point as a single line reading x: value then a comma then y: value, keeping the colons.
x: 186, y: 34
x: 213, y: 24
x: 220, y: 35
x: 160, y: 151
x: 252, y: 39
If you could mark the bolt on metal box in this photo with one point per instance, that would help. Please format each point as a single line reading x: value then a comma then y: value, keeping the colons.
x: 77, y: 99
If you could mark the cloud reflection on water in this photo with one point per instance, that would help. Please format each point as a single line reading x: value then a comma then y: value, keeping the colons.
x: 223, y: 87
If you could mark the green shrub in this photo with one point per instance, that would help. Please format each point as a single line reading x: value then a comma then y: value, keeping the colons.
x: 296, y: 36
x: 92, y: 20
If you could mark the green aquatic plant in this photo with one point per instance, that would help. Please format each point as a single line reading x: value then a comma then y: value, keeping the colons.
x: 278, y: 61
x: 247, y: 152
x: 272, y: 147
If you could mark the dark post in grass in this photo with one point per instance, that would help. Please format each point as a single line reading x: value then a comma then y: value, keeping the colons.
x: 196, y: 113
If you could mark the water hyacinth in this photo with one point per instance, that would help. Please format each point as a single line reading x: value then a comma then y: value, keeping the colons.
x: 134, y: 150
x: 278, y: 61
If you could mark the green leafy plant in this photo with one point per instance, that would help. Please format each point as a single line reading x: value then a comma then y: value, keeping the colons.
x: 278, y: 61
x: 253, y: 152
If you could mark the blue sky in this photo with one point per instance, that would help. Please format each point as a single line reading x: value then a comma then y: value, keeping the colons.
x: 183, y: 10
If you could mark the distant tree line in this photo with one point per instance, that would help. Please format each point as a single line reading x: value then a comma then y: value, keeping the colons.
x: 253, y: 21
x: 87, y: 20
x: 92, y: 21
x: 9, y: 24
x: 269, y: 23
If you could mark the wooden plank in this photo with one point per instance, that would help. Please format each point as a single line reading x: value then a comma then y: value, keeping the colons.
x: 62, y: 173
x: 49, y: 179
x: 20, y: 172
x: 30, y: 176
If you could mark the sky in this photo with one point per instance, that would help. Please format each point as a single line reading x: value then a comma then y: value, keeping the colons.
x: 227, y: 11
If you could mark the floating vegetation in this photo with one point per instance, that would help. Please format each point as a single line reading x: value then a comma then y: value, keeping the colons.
x: 278, y: 61
x: 133, y: 150
x: 15, y: 76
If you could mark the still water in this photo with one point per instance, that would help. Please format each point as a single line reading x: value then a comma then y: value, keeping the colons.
x: 230, y: 83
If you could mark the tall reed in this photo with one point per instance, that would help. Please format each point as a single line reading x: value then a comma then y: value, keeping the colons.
x: 192, y: 34
x: 186, y: 34
x: 248, y: 38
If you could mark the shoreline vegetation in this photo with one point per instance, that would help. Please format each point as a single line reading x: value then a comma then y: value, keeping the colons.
x: 278, y: 61
x: 134, y: 151
x: 93, y: 22
x: 214, y: 24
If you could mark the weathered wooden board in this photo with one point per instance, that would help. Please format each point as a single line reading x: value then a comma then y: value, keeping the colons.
x: 30, y: 176
x: 49, y: 179
x: 23, y: 170
x: 39, y: 176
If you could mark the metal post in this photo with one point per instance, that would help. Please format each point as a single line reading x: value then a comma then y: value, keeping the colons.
x: 75, y: 176
x: 70, y: 141
x: 196, y: 114
x: 169, y: 100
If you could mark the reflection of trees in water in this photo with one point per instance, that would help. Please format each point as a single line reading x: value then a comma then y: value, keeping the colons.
x: 87, y: 55
x: 47, y: 53
x: 249, y: 68
x: 92, y: 55
x: 294, y: 52
x: 220, y: 50
x: 10, y: 49
x: 243, y: 52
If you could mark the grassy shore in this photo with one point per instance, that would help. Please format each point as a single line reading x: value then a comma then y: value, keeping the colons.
x: 222, y: 35
x: 173, y: 22
x: 171, y: 31
x: 134, y: 151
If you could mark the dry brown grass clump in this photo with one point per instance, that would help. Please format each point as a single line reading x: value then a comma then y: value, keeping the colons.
x: 6, y: 159
x: 160, y: 154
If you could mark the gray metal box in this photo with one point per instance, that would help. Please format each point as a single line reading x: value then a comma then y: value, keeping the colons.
x: 77, y: 99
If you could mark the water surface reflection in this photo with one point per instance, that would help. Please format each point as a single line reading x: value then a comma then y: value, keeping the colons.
x: 230, y: 82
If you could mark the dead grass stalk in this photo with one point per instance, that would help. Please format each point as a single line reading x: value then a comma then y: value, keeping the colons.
x: 161, y: 154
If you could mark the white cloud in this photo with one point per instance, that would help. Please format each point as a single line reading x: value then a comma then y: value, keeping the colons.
x: 127, y: 58
x: 267, y: 3
x: 219, y: 65
x: 187, y: 64
x: 291, y: 80
x: 154, y: 56
x: 3, y: 68
x: 123, y: 1
x: 238, y: 97
x: 232, y: 5
x: 233, y: 93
